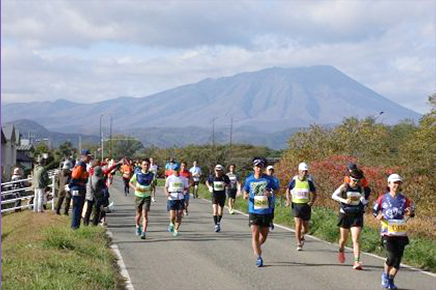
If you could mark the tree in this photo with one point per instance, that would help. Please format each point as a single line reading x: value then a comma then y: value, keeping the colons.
x: 66, y: 149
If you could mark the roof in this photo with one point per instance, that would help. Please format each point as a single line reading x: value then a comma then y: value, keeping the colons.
x: 25, y: 148
x: 9, y: 132
x: 3, y: 137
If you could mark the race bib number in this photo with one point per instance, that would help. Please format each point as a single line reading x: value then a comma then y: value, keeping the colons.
x: 301, y: 194
x: 261, y: 202
x: 354, y: 196
x: 176, y: 187
x: 218, y: 186
x: 143, y: 188
x: 397, y: 227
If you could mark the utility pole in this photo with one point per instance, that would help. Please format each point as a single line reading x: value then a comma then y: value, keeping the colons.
x: 110, y: 138
x: 213, y: 139
x: 231, y: 138
x: 101, y: 138
x: 80, y: 143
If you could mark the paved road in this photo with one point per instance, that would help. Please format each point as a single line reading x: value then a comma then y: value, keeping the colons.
x: 202, y: 259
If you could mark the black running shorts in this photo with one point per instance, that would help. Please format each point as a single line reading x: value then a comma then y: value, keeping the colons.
x: 301, y: 210
x: 219, y: 199
x: 350, y: 220
x: 263, y: 220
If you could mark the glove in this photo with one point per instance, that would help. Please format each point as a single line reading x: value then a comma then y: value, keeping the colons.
x: 210, y: 189
x: 67, y: 188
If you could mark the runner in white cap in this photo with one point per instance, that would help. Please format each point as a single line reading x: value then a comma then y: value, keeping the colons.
x: 303, y: 193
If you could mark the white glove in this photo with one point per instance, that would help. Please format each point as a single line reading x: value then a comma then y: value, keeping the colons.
x: 67, y: 188
x: 210, y: 189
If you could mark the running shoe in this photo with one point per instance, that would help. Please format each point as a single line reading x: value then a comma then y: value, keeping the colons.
x: 153, y: 199
x: 391, y: 284
x: 143, y: 235
x: 357, y: 266
x: 259, y: 262
x: 341, y: 256
x: 170, y: 228
x: 384, y: 280
x: 138, y: 230
x: 175, y: 233
x: 299, y: 248
x: 271, y: 226
x: 231, y: 211
x: 217, y: 228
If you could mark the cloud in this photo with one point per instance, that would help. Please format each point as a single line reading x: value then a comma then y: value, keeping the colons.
x: 90, y: 51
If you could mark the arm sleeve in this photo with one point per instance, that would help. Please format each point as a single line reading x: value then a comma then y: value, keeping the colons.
x: 337, y: 195
x: 133, y: 179
x: 291, y: 184
x: 246, y: 187
x: 312, y: 186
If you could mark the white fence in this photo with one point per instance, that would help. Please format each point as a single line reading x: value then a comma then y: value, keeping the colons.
x: 24, y: 193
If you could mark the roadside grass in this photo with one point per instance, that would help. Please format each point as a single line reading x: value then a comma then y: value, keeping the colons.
x: 420, y: 253
x: 40, y: 251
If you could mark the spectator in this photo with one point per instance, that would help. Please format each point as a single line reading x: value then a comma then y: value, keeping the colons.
x: 79, y: 178
x: 63, y: 180
x: 40, y: 183
x: 16, y: 176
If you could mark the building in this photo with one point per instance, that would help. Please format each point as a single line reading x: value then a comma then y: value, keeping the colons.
x: 10, y: 142
x: 25, y: 156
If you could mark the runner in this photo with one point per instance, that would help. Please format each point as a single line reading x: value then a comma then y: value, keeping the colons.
x: 175, y: 186
x: 352, y: 207
x: 154, y: 168
x: 186, y: 174
x: 170, y: 167
x: 196, y: 175
x: 217, y: 184
x: 363, y: 182
x: 126, y: 170
x: 303, y: 193
x: 393, y: 209
x: 270, y: 172
x: 142, y: 183
x: 234, y: 188
x: 258, y: 190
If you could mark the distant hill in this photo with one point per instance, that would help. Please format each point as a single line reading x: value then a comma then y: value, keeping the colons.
x: 272, y: 100
x: 27, y: 127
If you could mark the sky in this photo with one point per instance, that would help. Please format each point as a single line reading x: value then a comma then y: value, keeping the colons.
x: 90, y: 51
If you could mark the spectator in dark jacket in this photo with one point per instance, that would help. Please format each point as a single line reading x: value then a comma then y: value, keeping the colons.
x: 64, y: 194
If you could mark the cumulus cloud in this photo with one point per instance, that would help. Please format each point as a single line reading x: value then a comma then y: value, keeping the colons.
x: 94, y: 50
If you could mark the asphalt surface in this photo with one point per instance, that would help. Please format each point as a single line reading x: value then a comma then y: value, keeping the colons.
x: 199, y: 258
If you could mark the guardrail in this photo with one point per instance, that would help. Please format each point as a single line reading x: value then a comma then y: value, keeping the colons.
x: 24, y: 193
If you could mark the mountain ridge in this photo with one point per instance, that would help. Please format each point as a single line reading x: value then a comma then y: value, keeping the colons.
x: 273, y: 98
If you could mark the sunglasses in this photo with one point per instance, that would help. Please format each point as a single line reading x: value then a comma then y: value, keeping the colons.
x: 355, y: 179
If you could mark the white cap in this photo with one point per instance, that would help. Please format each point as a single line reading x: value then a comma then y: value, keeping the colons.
x: 270, y: 167
x: 303, y: 166
x: 219, y: 167
x: 394, y: 177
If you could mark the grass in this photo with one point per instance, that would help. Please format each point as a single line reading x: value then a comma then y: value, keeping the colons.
x: 40, y: 251
x: 420, y: 253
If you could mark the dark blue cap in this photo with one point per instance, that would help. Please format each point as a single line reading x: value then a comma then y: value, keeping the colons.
x: 86, y: 152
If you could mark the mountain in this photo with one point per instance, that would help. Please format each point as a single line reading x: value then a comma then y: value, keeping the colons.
x: 272, y: 100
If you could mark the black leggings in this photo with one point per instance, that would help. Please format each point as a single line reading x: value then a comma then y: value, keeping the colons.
x: 394, y: 247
